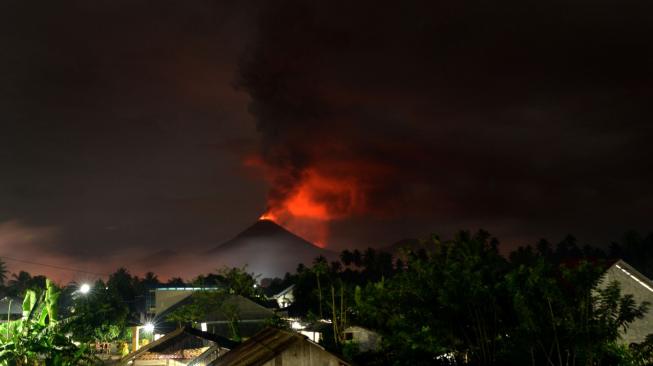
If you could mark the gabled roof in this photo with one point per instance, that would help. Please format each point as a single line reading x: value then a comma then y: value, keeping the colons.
x: 634, y: 274
x: 284, y: 291
x: 264, y: 346
x: 248, y: 309
x: 166, y: 341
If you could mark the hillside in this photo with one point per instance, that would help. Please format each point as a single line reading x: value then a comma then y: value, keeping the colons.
x: 267, y: 249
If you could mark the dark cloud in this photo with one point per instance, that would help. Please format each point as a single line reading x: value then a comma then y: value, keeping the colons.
x: 111, y: 114
x: 122, y: 137
x: 523, y: 117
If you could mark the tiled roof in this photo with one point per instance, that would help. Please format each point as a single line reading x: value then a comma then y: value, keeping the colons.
x: 161, y: 344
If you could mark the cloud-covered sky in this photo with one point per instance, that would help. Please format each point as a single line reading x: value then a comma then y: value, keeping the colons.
x: 132, y: 129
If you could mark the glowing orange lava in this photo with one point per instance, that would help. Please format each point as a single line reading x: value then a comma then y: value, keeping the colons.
x: 306, y: 203
x: 315, y: 201
x: 267, y: 216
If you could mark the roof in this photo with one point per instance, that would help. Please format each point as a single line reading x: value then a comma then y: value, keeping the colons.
x: 244, y: 328
x: 283, y: 292
x: 161, y: 344
x: 184, y: 288
x: 633, y: 274
x: 248, y: 309
x: 318, y: 326
x: 633, y: 283
x: 264, y: 346
x: 358, y: 327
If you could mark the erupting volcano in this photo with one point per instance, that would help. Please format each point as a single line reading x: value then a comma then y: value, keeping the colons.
x: 268, y: 249
x: 312, y: 202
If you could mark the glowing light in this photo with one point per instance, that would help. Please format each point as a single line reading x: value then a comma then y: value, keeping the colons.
x: 204, y: 327
x: 306, y: 201
x: 85, y: 288
x: 148, y: 327
x: 268, y: 216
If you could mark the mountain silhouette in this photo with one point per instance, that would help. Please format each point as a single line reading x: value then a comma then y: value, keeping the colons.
x: 267, y: 249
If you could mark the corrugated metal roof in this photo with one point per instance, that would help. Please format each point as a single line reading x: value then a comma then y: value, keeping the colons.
x: 180, y: 332
x: 263, y: 347
x: 260, y: 348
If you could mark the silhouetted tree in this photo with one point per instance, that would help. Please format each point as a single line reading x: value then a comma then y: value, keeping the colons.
x: 3, y: 273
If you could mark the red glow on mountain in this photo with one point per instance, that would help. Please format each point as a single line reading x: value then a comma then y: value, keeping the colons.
x: 267, y: 216
x: 306, y: 201
x: 314, y: 201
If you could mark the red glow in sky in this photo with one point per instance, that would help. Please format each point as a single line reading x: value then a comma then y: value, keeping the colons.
x: 314, y: 202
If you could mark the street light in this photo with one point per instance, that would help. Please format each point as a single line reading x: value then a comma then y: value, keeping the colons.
x: 148, y: 327
x: 85, y: 288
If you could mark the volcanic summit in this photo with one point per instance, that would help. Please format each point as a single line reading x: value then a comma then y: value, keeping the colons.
x: 267, y: 249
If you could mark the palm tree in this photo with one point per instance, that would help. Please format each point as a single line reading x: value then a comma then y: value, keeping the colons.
x: 150, y: 280
x: 20, y: 282
x: 3, y: 273
x: 320, y: 267
x: 176, y: 281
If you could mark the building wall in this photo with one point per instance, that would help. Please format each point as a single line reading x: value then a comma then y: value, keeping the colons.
x: 366, y: 339
x: 304, y: 353
x: 285, y: 300
x: 637, y: 287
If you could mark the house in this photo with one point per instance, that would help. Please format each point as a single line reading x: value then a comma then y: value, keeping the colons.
x: 272, y: 347
x: 367, y: 340
x: 184, y: 346
x: 636, y: 284
x: 11, y: 308
x: 161, y: 298
x: 286, y: 297
x: 312, y: 330
x: 246, y: 315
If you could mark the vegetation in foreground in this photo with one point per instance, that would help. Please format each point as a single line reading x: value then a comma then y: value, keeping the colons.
x: 441, y: 302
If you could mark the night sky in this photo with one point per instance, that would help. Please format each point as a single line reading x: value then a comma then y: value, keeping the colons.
x: 132, y: 131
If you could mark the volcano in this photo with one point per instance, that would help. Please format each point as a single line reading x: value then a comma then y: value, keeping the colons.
x: 267, y: 249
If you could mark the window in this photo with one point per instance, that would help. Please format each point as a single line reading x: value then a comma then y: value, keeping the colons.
x: 349, y: 336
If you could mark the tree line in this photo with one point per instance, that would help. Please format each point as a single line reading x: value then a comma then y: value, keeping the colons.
x: 448, y: 302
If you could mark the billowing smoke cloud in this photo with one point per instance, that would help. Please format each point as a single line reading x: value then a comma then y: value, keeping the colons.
x: 485, y: 112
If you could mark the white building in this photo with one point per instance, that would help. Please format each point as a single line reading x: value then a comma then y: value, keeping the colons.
x: 367, y: 340
x: 286, y: 297
x: 636, y: 284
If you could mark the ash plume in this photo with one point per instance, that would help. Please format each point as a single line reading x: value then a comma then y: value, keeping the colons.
x: 487, y: 112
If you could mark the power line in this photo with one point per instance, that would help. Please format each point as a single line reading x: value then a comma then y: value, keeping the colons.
x: 53, y: 266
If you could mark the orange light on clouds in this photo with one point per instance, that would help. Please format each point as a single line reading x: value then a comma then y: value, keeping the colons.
x: 306, y: 202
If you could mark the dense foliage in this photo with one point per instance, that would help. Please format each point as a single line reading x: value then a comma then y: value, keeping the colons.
x: 38, y: 337
x: 455, y: 302
x: 233, y: 282
x: 461, y: 302
x: 101, y: 315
